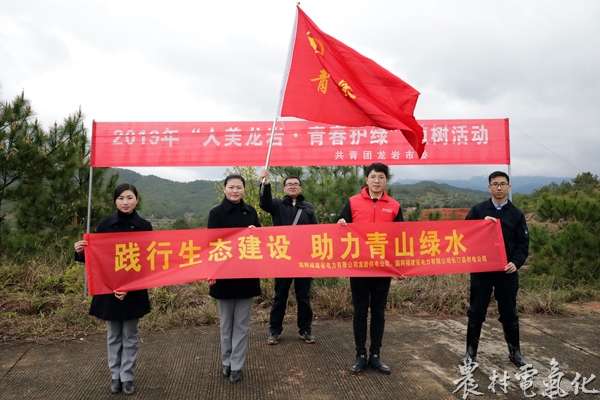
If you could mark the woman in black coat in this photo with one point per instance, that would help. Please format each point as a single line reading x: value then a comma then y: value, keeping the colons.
x: 234, y: 296
x: 121, y: 310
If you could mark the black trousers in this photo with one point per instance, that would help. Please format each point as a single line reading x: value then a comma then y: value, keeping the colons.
x: 305, y: 313
x: 505, y: 287
x: 373, y: 293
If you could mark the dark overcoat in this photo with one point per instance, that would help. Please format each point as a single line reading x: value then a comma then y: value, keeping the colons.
x: 230, y: 215
x: 136, y: 303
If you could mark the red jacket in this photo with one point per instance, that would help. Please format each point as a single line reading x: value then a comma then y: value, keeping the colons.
x: 362, y: 208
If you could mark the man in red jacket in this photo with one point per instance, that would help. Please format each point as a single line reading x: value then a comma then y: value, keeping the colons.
x: 372, y: 204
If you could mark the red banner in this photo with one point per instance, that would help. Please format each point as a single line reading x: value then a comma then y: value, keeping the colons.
x: 130, y: 261
x: 305, y: 143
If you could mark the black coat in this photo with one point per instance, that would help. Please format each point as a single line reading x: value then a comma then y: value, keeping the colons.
x: 514, y: 228
x: 230, y: 215
x: 136, y: 303
x: 283, y: 210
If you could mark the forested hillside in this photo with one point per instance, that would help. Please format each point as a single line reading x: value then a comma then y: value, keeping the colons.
x: 429, y: 194
x: 162, y: 198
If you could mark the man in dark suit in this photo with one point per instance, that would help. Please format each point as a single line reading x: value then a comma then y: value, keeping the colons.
x: 505, y: 284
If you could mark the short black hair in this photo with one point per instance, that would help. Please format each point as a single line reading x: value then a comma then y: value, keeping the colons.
x: 123, y: 187
x: 378, y: 167
x: 234, y: 176
x: 292, y: 177
x: 496, y: 174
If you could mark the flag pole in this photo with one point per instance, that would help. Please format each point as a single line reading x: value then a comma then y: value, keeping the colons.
x: 271, y: 142
x: 89, y: 216
x: 281, y: 95
x: 89, y: 210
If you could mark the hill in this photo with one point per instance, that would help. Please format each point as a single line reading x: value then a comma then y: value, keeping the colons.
x: 520, y: 184
x: 163, y: 198
x: 434, y: 195
x: 166, y: 199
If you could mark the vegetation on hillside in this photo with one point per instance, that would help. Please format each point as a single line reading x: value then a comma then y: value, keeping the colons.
x: 429, y: 194
x: 327, y: 188
x: 565, y: 233
x: 164, y: 199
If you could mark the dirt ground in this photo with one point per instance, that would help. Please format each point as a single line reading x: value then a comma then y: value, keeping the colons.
x: 423, y: 352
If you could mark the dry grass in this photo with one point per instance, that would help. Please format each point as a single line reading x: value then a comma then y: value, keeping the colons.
x: 41, y: 303
x: 40, y: 318
x: 431, y: 295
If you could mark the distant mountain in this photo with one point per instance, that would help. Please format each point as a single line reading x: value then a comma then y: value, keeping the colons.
x: 430, y: 194
x: 520, y: 184
x: 166, y: 199
x: 163, y: 198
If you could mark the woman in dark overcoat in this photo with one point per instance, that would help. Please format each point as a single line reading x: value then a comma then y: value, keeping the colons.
x: 234, y: 296
x: 121, y: 310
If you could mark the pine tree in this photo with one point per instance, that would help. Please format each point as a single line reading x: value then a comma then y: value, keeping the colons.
x: 567, y: 244
x: 46, y: 177
x: 329, y: 188
x: 21, y: 153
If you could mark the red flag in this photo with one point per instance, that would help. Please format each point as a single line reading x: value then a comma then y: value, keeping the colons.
x: 331, y: 83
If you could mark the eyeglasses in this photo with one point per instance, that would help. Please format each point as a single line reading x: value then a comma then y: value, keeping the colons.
x: 292, y: 185
x: 497, y: 185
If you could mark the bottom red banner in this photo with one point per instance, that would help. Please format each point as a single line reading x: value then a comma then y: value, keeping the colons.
x: 141, y: 260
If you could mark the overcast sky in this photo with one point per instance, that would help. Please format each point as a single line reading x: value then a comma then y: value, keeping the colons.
x: 535, y: 62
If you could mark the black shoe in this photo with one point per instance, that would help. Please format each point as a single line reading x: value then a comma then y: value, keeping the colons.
x: 226, y: 371
x: 359, y: 364
x: 128, y: 387
x: 309, y: 337
x: 115, y: 386
x: 235, y: 376
x: 273, y: 338
x: 473, y: 333
x: 375, y: 362
x: 511, y: 334
x: 517, y: 358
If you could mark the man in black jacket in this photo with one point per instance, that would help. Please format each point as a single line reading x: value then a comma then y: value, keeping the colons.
x: 291, y: 210
x: 505, y: 283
